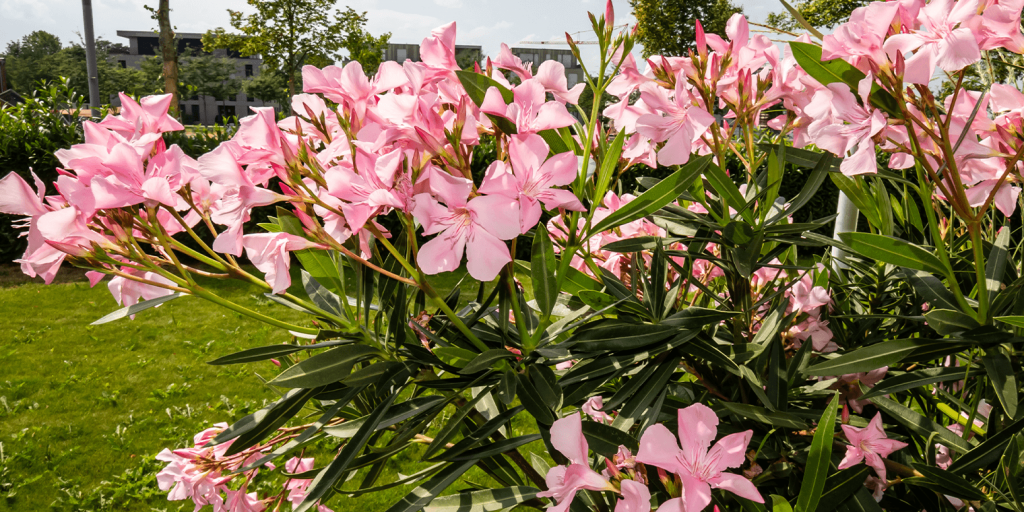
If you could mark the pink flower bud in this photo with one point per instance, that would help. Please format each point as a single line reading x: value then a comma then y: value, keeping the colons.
x: 276, y: 362
x: 701, y: 41
x: 609, y: 15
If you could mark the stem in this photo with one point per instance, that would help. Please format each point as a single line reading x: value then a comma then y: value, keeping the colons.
x: 974, y: 227
x: 212, y: 297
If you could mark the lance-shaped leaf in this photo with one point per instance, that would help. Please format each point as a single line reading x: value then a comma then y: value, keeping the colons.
x: 135, y: 308
x: 486, y: 359
x: 328, y: 476
x: 397, y: 414
x: 886, y: 353
x: 542, y: 270
x: 945, y: 482
x: 479, y: 435
x: 324, y: 368
x: 476, y: 85
x: 264, y: 421
x: 421, y: 496
x: 930, y: 288
x: 1004, y: 382
x: 920, y: 425
x: 271, y: 351
x: 988, y: 452
x: 995, y: 266
x: 838, y: 70
x: 840, y: 486
x: 486, y: 500
x: 606, y: 439
x: 818, y: 460
x: 892, y: 250
x: 666, y: 191
x: 496, y: 448
x: 947, y: 321
x: 917, y: 379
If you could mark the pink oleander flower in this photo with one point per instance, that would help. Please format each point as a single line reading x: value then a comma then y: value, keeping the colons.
x: 998, y: 25
x: 269, y: 253
x: 944, y: 40
x: 368, y: 192
x: 862, y: 124
x: 565, y: 481
x: 241, y: 501
x: 350, y: 86
x: 128, y: 292
x: 508, y: 60
x: 863, y: 36
x: 943, y: 455
x: 636, y: 497
x: 147, y: 117
x: 876, y: 486
x: 531, y: 179
x: 240, y: 194
x: 132, y: 181
x: 869, y: 445
x: 699, y: 468
x: 592, y: 408
x: 551, y: 74
x: 474, y: 227
x: 681, y: 126
x: 528, y: 110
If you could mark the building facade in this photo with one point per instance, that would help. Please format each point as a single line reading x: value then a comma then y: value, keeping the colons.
x: 573, y: 70
x: 465, y: 55
x: 202, y: 109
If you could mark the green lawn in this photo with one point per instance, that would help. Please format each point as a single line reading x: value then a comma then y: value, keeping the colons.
x: 83, y: 409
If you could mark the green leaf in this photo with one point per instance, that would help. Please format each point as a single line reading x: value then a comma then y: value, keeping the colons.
x: 727, y: 189
x: 506, y: 390
x: 894, y: 251
x: 135, y: 308
x: 495, y: 448
x: 1001, y: 374
x: 542, y: 270
x: 840, y: 486
x: 656, y: 385
x: 696, y: 318
x: 324, y: 368
x: 800, y: 19
x: 622, y: 337
x: 451, y: 427
x: 995, y: 266
x: 917, y: 379
x: 666, y: 191
x: 930, y: 288
x: 267, y: 420
x: 920, y: 425
x: 422, y: 496
x: 269, y: 352
x: 988, y: 452
x: 327, y: 477
x: 573, y: 281
x: 947, y: 321
x: 455, y: 356
x: 779, y: 504
x: 640, y: 243
x: 554, y: 141
x: 479, y: 435
x: 776, y: 418
x: 487, y: 500
x: 808, y: 56
x: 609, y: 161
x: 534, y: 404
x: 945, y: 482
x: 485, y: 360
x: 886, y: 353
x: 1016, y: 321
x: 606, y: 439
x: 476, y: 85
x: 397, y: 414
x: 818, y: 460
x: 372, y: 373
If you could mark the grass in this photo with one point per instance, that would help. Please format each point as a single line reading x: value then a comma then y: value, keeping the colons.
x: 83, y: 409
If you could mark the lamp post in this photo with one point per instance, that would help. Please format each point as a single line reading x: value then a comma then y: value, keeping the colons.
x: 90, y: 59
x: 846, y: 222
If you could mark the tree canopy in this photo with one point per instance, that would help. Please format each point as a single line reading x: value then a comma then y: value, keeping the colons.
x: 666, y: 27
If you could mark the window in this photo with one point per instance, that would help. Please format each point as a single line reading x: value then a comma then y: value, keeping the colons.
x: 401, y: 54
x: 248, y: 70
x: 225, y: 114
x: 571, y: 77
x: 249, y: 98
x: 123, y: 64
x: 195, y: 114
x: 566, y: 60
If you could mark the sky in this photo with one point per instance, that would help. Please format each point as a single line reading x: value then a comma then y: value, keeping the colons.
x: 480, y: 22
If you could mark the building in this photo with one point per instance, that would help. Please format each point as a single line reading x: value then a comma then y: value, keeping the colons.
x: 202, y: 109
x: 573, y: 70
x: 465, y: 55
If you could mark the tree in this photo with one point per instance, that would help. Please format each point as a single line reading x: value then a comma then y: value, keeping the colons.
x: 666, y: 27
x: 269, y: 85
x: 286, y: 33
x: 818, y: 13
x: 362, y: 46
x: 168, y: 51
x: 206, y: 75
x: 32, y: 59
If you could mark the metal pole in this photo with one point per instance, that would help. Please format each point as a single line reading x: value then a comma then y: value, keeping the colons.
x: 90, y: 59
x: 846, y: 222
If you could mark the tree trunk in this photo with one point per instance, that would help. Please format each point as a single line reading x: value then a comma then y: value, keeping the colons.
x: 169, y: 51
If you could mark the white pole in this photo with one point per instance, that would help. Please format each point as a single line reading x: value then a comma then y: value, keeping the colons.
x: 846, y: 222
x: 90, y: 59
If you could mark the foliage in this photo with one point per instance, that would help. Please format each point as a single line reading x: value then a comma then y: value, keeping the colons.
x: 362, y: 46
x: 666, y: 27
x: 643, y: 325
x: 288, y: 34
x: 210, y: 76
x: 819, y: 13
x: 268, y: 85
x: 40, y: 56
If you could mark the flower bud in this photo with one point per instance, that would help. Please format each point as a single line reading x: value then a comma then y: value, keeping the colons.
x: 701, y: 41
x: 609, y: 15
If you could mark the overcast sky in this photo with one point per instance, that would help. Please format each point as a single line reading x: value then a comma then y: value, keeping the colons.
x: 482, y: 22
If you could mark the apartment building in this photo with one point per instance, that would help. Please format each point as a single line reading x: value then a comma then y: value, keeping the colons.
x: 202, y: 109
x: 573, y: 70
